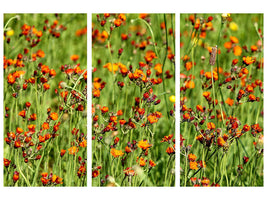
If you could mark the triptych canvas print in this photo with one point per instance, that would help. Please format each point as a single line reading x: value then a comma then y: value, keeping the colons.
x: 142, y: 98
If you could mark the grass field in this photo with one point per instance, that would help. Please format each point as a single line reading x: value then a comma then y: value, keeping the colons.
x: 133, y: 136
x: 221, y: 104
x: 45, y: 100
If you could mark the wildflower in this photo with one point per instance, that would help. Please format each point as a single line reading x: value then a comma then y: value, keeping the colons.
x: 142, y: 162
x: 200, y: 108
x: 104, y: 109
x: 229, y: 101
x: 233, y: 26
x: 211, y: 126
x: 22, y: 113
x: 245, y: 159
x: 128, y: 149
x: 95, y: 173
x: 234, y: 39
x: 46, y: 86
x: 192, y: 157
x: 170, y: 150
x: 152, y: 163
x: 144, y: 145
x: 116, y: 153
x: 150, y: 55
x: 225, y: 16
x: 129, y: 171
x: 117, y: 22
x: 19, y: 130
x: 220, y: 141
x: 74, y: 57
x: 53, y: 116
x: 15, y: 176
x: 251, y: 98
x: 45, y: 126
x: 237, y: 51
x: 167, y: 138
x: 172, y: 98
x: 62, y: 152
x: 193, y: 165
x: 248, y: 60
x: 6, y: 162
x: 190, y: 84
x: 73, y: 150
x: 152, y: 119
x: 83, y: 143
x: 246, y: 128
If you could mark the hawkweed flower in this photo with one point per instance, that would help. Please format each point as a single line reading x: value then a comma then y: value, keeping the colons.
x: 116, y: 153
x: 15, y: 176
x: 144, y: 145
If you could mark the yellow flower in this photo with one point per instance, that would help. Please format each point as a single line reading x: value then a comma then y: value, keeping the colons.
x: 233, y: 26
x: 225, y: 15
x: 172, y: 98
x: 10, y: 32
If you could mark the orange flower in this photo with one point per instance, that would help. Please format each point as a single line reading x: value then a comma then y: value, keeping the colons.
x: 248, y: 60
x: 193, y: 165
x: 206, y: 94
x: 40, y: 53
x: 237, y: 50
x: 170, y: 150
x: 22, y: 113
x: 246, y: 128
x: 31, y: 127
x: 128, y: 149
x: 83, y: 143
x: 220, y: 141
x: 143, y: 144
x: 54, y: 116
x: 190, y: 84
x: 192, y: 157
x: 152, y: 119
x: 15, y: 176
x: 19, y: 130
x: 251, y: 97
x: 210, y: 125
x: 74, y: 57
x: 95, y: 173
x: 228, y: 45
x: 158, y: 68
x: 73, y: 150
x: 129, y: 171
x: 46, y: 86
x: 62, y: 152
x: 234, y: 39
x: 167, y: 138
x: 116, y: 153
x: 186, y: 116
x: 229, y: 101
x: 104, y: 109
x: 200, y: 108
x: 152, y: 163
x: 45, y: 126
x: 188, y: 65
x: 142, y: 162
x: 122, y: 17
x: 110, y: 67
x: 6, y: 162
x: 117, y: 22
x: 150, y: 55
x: 254, y: 48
